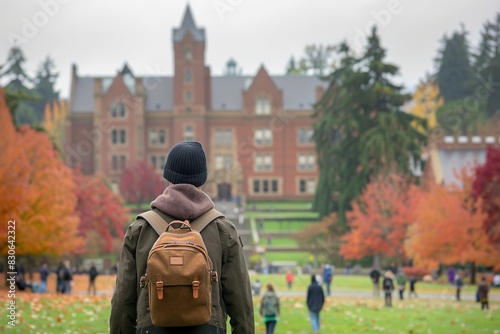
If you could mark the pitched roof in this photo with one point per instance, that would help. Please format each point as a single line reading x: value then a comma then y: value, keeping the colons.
x: 159, y: 93
x: 188, y: 25
x: 299, y: 92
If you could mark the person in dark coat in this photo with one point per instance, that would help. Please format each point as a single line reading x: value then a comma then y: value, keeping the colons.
x: 482, y: 291
x: 315, y: 301
x: 413, y: 281
x: 388, y: 286
x: 459, y: 283
x: 186, y: 172
x: 92, y: 276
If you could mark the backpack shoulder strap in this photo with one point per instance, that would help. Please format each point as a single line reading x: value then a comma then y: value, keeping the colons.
x: 202, y: 221
x: 155, y: 220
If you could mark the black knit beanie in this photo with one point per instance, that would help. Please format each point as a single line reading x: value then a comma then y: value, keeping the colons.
x: 186, y: 163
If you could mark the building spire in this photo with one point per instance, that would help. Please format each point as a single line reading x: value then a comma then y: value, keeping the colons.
x: 188, y: 25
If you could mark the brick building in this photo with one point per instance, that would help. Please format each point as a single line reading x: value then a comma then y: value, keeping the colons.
x: 256, y: 130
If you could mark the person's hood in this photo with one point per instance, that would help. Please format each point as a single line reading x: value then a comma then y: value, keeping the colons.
x: 183, y: 201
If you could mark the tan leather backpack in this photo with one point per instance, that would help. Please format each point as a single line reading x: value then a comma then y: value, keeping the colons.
x: 180, y: 272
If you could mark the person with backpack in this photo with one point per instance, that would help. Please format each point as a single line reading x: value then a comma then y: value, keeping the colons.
x: 315, y: 301
x: 388, y: 286
x: 270, y: 309
x: 92, y: 276
x: 401, y: 280
x: 182, y: 267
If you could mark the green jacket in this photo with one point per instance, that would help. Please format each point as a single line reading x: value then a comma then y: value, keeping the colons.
x: 231, y: 296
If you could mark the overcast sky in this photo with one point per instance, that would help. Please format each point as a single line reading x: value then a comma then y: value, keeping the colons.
x: 99, y: 36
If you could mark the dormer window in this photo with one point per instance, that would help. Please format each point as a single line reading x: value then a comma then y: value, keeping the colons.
x: 263, y: 106
x: 118, y: 110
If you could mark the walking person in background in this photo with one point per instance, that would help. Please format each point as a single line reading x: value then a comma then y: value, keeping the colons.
x: 315, y: 301
x: 289, y: 279
x: 482, y: 291
x: 92, y: 276
x: 256, y: 288
x: 459, y: 283
x: 413, y: 281
x: 66, y: 277
x: 327, y: 277
x: 270, y: 309
x: 401, y: 280
x: 375, y: 277
x: 388, y: 286
x: 44, y: 273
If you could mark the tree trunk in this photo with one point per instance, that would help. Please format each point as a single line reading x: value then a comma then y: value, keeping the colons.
x: 377, y: 259
x: 473, y: 273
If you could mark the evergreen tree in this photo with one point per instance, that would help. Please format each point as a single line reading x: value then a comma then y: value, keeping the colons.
x: 361, y: 130
x: 493, y: 102
x: 455, y: 75
x: 292, y: 67
x: 490, y: 68
x: 17, y: 92
x: 44, y: 84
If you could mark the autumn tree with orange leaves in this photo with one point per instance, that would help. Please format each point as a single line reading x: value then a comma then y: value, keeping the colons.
x: 379, y: 220
x: 37, y: 191
x: 448, y: 228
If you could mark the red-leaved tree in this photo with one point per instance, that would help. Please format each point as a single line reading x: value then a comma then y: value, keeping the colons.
x: 380, y: 219
x: 99, y: 209
x: 486, y: 187
x: 140, y: 184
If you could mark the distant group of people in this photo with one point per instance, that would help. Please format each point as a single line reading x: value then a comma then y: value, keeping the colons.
x: 388, y: 284
x: 64, y: 279
x: 270, y: 305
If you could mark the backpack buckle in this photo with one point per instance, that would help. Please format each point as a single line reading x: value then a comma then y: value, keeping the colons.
x: 159, y: 288
x: 196, y: 286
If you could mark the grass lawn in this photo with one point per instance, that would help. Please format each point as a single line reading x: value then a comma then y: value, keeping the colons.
x: 292, y: 215
x: 356, y: 315
x: 280, y: 205
x: 284, y: 226
x: 77, y: 314
x: 300, y: 257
